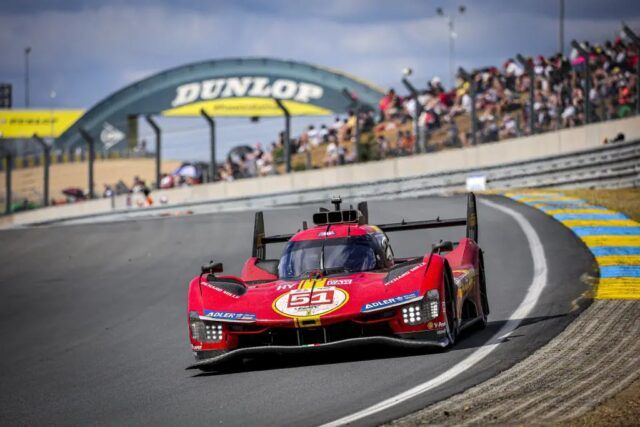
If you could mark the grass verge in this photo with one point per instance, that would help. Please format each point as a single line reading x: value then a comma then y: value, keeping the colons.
x: 625, y: 200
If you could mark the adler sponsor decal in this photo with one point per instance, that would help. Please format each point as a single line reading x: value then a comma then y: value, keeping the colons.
x: 389, y: 302
x: 258, y: 87
x: 223, y: 315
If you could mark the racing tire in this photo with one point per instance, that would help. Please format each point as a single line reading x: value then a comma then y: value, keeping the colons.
x: 483, y: 294
x: 450, y: 304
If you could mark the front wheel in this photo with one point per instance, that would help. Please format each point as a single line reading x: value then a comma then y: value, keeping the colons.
x: 483, y: 293
x: 450, y: 306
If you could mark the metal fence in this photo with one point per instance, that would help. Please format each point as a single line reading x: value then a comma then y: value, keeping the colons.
x: 611, y: 166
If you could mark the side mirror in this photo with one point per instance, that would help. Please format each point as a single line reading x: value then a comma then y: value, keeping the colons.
x: 442, y: 246
x: 212, y: 267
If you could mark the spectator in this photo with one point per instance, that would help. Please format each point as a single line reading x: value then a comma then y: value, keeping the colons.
x: 108, y: 191
x: 331, y: 157
x: 383, y: 146
x: 323, y: 134
x: 407, y: 143
x: 166, y: 181
x: 313, y: 136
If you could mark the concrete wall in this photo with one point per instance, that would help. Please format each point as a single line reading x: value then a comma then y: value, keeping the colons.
x: 28, y: 182
x: 486, y: 155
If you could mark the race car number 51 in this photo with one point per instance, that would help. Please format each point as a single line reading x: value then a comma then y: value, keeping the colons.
x: 317, y: 297
x: 310, y: 302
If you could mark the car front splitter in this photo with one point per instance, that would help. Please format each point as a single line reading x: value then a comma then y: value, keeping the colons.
x: 351, y: 342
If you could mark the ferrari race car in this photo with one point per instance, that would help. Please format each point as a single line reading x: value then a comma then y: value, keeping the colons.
x: 338, y: 284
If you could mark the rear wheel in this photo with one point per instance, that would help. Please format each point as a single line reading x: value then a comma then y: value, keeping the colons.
x: 450, y: 305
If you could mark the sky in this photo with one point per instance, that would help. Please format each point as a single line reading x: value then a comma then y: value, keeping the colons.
x: 85, y: 50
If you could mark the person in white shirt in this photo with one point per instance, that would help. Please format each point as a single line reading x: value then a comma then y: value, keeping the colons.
x: 314, y: 136
x: 331, y: 157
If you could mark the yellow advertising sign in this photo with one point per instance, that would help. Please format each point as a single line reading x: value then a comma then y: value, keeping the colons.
x: 44, y: 123
x: 246, y: 107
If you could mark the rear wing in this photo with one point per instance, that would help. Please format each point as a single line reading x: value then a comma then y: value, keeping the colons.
x: 260, y: 240
x: 471, y: 221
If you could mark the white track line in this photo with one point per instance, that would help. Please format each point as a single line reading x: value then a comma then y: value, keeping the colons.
x: 536, y: 287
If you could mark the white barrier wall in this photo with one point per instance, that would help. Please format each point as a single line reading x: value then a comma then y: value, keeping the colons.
x: 485, y: 155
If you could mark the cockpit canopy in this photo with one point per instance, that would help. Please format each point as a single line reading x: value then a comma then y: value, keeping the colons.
x: 352, y: 254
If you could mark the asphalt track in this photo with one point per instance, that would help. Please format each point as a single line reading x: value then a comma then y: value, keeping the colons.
x: 93, y: 322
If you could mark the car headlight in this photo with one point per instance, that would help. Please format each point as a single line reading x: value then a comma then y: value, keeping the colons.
x: 213, y: 332
x: 423, y: 311
x: 203, y: 330
x: 413, y: 314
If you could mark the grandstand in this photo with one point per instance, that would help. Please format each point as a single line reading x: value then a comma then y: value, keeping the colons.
x: 524, y: 97
x: 521, y: 97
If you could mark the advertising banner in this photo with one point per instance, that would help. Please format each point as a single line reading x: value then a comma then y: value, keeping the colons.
x: 44, y: 123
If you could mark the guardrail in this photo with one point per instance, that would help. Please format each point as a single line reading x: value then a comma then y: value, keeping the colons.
x: 614, y: 165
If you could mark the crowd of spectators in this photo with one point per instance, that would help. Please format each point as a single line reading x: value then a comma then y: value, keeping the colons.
x: 246, y: 161
x: 501, y: 104
x: 502, y: 95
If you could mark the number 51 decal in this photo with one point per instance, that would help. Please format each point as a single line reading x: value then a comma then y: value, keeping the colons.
x: 308, y: 298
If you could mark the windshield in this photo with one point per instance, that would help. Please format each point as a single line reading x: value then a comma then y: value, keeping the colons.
x: 347, y: 254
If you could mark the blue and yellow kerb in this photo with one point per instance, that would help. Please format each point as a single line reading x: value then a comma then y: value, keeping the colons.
x: 612, y: 237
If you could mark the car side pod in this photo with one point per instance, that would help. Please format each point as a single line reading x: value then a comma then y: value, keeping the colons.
x: 313, y: 348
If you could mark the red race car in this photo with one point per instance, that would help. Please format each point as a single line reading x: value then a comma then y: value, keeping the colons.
x: 338, y: 284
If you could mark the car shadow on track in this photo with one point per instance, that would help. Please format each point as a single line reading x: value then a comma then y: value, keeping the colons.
x: 475, y: 339
x: 467, y: 340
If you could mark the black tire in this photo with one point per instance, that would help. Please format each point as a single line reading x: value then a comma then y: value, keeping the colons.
x: 472, y: 218
x: 484, y: 299
x: 450, y: 304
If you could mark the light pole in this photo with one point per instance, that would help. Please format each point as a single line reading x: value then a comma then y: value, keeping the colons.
x: 452, y: 36
x: 561, y: 35
x: 27, y: 51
